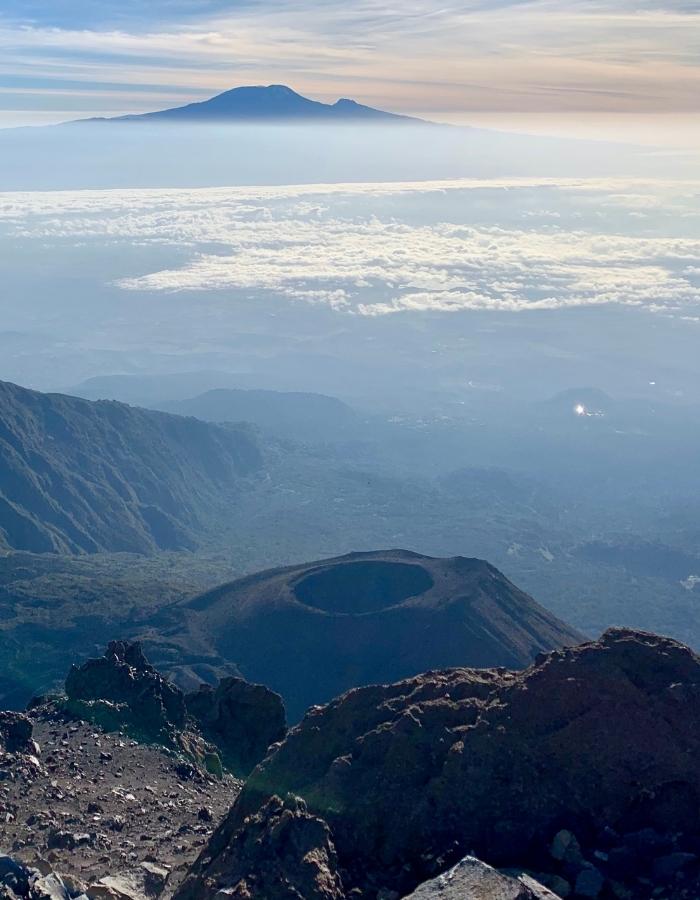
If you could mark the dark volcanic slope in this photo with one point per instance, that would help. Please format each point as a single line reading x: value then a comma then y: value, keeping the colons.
x: 79, y: 476
x: 313, y: 631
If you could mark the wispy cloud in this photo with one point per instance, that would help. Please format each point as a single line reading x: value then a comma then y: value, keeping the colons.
x: 538, y: 55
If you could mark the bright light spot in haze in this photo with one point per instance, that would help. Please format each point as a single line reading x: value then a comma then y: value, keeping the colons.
x: 580, y: 409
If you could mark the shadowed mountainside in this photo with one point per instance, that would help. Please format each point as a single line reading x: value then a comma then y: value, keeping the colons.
x: 297, y: 415
x: 312, y: 631
x: 78, y: 476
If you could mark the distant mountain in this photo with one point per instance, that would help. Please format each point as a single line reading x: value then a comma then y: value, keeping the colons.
x: 301, y: 416
x: 313, y: 631
x: 274, y: 102
x: 149, y: 390
x: 78, y: 476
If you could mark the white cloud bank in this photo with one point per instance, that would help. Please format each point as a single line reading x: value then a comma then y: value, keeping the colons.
x: 316, y: 244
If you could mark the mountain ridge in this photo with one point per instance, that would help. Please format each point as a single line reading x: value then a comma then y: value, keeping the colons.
x: 259, y: 103
x: 80, y: 476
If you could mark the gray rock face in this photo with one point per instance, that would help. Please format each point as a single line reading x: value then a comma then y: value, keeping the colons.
x: 285, y: 852
x: 20, y: 882
x: 240, y: 718
x: 472, y: 879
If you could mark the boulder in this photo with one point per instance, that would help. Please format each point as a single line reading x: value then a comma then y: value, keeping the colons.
x: 404, y: 780
x: 240, y: 718
x: 16, y: 733
x: 284, y: 852
x: 21, y: 882
x: 472, y: 879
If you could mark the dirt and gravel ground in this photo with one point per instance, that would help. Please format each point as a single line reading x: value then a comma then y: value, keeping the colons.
x: 91, y: 804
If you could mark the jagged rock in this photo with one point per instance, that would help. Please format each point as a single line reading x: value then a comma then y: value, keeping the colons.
x: 242, y: 719
x: 50, y: 887
x: 14, y: 875
x: 113, y: 888
x: 472, y: 879
x: 124, y: 690
x: 146, y: 882
x: 21, y: 882
x: 16, y: 733
x: 284, y: 852
x: 403, y: 780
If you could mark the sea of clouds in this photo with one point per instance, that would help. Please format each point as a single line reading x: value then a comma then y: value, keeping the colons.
x: 377, y: 249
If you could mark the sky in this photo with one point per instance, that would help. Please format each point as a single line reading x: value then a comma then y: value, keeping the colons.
x: 607, y: 67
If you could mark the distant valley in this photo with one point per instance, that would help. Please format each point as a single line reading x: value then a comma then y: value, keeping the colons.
x: 91, y: 547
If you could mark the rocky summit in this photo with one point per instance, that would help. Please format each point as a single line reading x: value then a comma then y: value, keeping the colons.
x: 235, y: 721
x: 313, y: 631
x: 580, y: 770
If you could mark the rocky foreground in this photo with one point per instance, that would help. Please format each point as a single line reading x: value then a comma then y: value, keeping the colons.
x: 582, y: 769
x: 577, y: 777
x: 89, y: 805
x: 110, y: 790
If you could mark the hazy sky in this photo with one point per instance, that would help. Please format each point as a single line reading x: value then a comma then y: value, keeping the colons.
x: 575, y: 61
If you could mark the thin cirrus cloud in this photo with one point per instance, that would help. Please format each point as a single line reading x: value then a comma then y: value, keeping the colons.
x: 320, y: 245
x: 532, y: 55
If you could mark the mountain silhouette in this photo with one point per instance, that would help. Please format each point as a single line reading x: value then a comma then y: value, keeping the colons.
x: 274, y: 103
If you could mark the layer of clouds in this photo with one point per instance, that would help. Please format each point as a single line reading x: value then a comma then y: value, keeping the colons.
x: 334, y: 245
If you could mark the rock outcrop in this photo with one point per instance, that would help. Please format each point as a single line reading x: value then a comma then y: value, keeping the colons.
x: 20, y: 882
x: 235, y: 722
x: 122, y: 689
x: 243, y: 720
x: 598, y: 741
